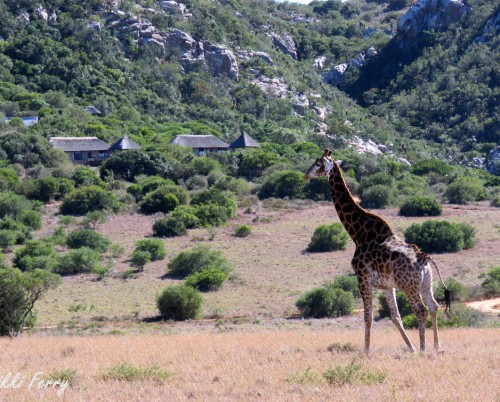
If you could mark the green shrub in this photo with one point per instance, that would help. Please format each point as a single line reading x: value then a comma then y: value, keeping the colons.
x: 77, y: 261
x: 326, y: 302
x: 349, y: 283
x: 203, y: 165
x: 8, y: 179
x: 140, y: 258
x: 36, y: 254
x: 147, y: 184
x: 32, y: 219
x: 318, y: 189
x: 328, y: 238
x: 441, y: 236
x: 242, y: 230
x: 169, y: 227
x: 421, y: 206
x: 212, y: 215
x: 491, y: 284
x: 85, y: 176
x: 18, y: 294
x: 459, y: 292
x: 210, y: 279
x: 461, y: 316
x: 93, y: 218
x: 377, y: 196
x: 465, y: 189
x: 404, y: 306
x: 87, y: 199
x: 216, y: 197
x: 22, y: 231
x: 13, y: 205
x: 7, y: 239
x: 353, y: 373
x: 186, y: 214
x: 198, y: 259
x: 164, y: 199
x: 281, y: 184
x: 45, y: 189
x: 426, y: 166
x: 237, y: 186
x: 155, y: 247
x: 179, y: 303
x: 495, y: 201
x: 87, y: 238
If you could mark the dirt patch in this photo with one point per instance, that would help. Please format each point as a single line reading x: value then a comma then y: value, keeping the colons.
x: 487, y: 306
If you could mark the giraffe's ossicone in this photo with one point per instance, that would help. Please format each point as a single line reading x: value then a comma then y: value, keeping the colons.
x: 382, y: 260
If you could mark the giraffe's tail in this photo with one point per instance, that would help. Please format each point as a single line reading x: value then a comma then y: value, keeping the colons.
x: 447, y: 292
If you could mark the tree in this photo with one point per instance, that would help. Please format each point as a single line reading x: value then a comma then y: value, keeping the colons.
x: 18, y: 294
x: 93, y: 218
x: 87, y: 199
x: 127, y: 165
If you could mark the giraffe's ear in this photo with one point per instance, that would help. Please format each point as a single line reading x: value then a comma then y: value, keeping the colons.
x: 329, y: 152
x: 341, y: 163
x: 325, y: 152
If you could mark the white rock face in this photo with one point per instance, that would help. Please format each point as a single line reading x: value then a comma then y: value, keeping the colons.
x: 41, y: 12
x: 429, y: 15
x: 285, y: 44
x: 250, y: 54
x: 319, y: 62
x: 221, y: 60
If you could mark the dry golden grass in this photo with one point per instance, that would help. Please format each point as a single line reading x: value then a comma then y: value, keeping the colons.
x: 267, y: 366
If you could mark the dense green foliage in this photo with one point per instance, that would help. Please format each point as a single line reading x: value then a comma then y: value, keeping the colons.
x: 80, y: 260
x: 155, y: 248
x: 197, y: 259
x: 328, y: 238
x: 209, y: 279
x: 326, y: 301
x: 491, y: 284
x: 36, y: 254
x: 179, y: 303
x: 421, y: 206
x: 242, y: 230
x: 404, y: 306
x: 18, y: 293
x: 87, y: 199
x: 459, y: 292
x: 169, y: 227
x: 441, y: 236
x: 79, y: 238
x: 349, y: 283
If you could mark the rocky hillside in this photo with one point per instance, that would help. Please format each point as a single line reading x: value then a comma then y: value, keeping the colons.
x: 282, y: 72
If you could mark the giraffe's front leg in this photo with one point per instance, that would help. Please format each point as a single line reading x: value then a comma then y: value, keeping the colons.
x: 390, y: 295
x: 366, y: 294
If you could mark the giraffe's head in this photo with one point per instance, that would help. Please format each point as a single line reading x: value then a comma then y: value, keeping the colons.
x: 321, y: 167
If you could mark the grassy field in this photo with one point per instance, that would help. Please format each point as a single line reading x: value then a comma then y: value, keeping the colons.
x: 265, y: 366
x: 271, y: 269
x: 101, y: 340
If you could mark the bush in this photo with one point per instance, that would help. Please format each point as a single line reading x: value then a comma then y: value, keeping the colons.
x: 210, y: 215
x: 237, y: 186
x: 146, y: 185
x: 197, y: 259
x: 404, y: 306
x: 326, y: 302
x: 495, y: 201
x: 460, y: 317
x: 465, y: 189
x: 36, y: 254
x: 377, y: 196
x: 169, y: 227
x: 13, y: 205
x: 179, y: 303
x: 210, y: 279
x: 328, y: 238
x: 459, y: 292
x: 242, y: 230
x: 32, y: 219
x: 281, y: 184
x: 7, y: 238
x: 491, y: 284
x: 78, y: 261
x: 187, y: 215
x: 203, y: 166
x: 441, y: 236
x: 155, y: 247
x: 318, y: 189
x: 349, y: 283
x: 140, y: 258
x: 45, y: 189
x: 85, y: 176
x: 216, y: 197
x: 421, y: 206
x: 79, y: 238
x: 18, y: 294
x: 164, y: 199
x: 87, y: 199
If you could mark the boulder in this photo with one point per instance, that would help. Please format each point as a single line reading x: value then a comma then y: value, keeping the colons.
x: 41, y: 12
x: 272, y: 87
x: 319, y: 62
x: 429, y: 15
x: 285, y: 44
x: 221, y: 60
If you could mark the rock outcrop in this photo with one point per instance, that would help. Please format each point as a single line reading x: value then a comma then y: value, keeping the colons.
x: 221, y: 60
x: 336, y: 76
x: 285, y: 44
x: 250, y: 54
x: 428, y: 15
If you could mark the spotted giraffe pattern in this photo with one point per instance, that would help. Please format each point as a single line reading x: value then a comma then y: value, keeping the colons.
x: 381, y: 260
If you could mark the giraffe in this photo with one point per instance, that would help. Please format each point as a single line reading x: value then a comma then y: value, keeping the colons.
x: 382, y: 260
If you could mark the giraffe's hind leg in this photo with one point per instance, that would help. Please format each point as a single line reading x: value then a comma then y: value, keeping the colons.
x: 432, y: 304
x: 390, y: 295
x: 421, y: 312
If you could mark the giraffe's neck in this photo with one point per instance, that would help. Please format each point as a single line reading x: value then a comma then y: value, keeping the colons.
x: 361, y: 225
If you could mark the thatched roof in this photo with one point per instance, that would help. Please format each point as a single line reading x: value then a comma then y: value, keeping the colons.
x: 200, y: 141
x: 124, y: 144
x: 79, y: 144
x: 245, y: 141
